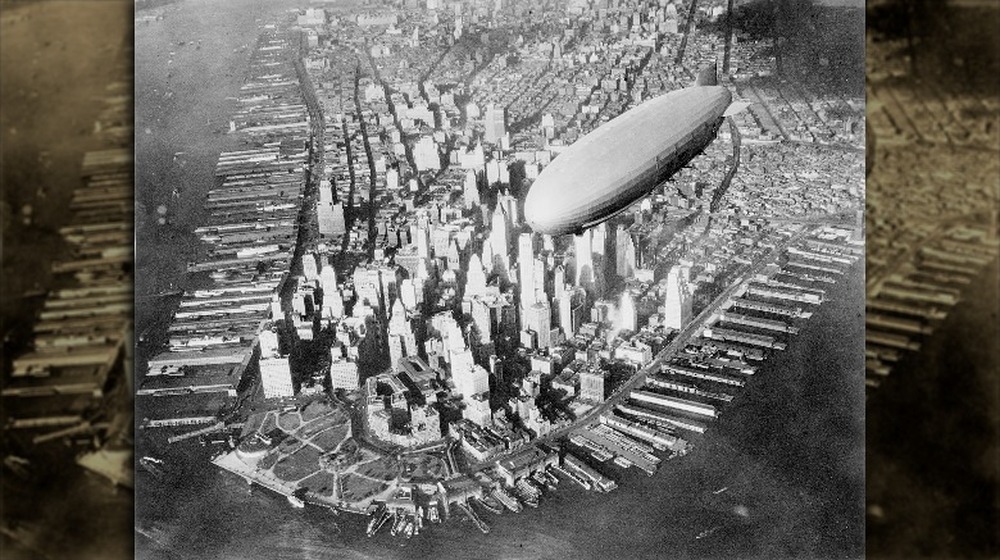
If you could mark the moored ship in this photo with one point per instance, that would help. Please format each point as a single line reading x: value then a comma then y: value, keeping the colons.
x: 507, y: 500
x: 378, y: 519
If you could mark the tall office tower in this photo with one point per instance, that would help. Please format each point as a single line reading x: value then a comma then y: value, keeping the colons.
x: 539, y: 279
x: 677, y: 308
x: 425, y: 154
x: 328, y: 281
x: 441, y: 240
x: 454, y: 256
x: 477, y: 409
x: 470, y: 192
x: 343, y: 372
x: 627, y: 314
x: 488, y: 258
x: 423, y: 242
x: 310, y: 268
x: 408, y: 293
x: 496, y: 124
x: 565, y: 301
x: 559, y: 283
x: 471, y: 380
x: 275, y: 372
x: 339, y: 223
x: 475, y: 277
x: 481, y: 317
x: 592, y: 384
x: 540, y: 321
x: 583, y: 258
x: 402, y: 341
x: 367, y: 284
x: 599, y: 238
x: 624, y: 253
x: 509, y: 204
x: 548, y: 244
x: 499, y: 239
x: 525, y: 258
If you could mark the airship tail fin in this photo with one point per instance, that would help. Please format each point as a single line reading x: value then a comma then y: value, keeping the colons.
x: 708, y: 75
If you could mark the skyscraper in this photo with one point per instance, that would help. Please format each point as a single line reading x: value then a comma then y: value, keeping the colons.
x: 677, y: 308
x: 496, y: 124
x: 499, y: 240
x: 472, y: 380
x: 627, y: 314
x: 475, y: 277
x: 592, y: 384
x: 470, y: 192
x: 583, y: 256
x: 539, y: 320
x: 525, y: 259
x: 624, y: 253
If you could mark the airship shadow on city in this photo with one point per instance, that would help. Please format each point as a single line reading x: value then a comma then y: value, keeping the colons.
x: 622, y: 161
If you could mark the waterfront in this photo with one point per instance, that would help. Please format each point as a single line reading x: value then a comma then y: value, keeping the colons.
x: 789, y: 450
x: 751, y: 488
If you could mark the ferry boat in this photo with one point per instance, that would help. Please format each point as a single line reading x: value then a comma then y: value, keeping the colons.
x: 378, y: 519
x: 507, y: 500
x: 489, y: 503
x: 552, y: 479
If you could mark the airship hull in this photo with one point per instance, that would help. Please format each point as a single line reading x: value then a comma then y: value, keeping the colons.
x: 609, y: 169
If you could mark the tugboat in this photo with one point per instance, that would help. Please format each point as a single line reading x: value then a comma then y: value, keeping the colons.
x: 296, y: 502
x: 153, y: 466
x: 378, y: 519
x: 433, y: 515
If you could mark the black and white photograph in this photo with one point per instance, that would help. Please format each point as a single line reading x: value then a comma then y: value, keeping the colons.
x: 500, y: 279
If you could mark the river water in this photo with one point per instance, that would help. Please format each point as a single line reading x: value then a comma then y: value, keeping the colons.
x: 789, y: 450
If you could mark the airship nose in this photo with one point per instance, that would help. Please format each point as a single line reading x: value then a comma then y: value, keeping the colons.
x: 535, y: 211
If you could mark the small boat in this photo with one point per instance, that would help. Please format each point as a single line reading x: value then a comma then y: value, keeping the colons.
x: 153, y: 466
x: 708, y: 532
x: 433, y: 515
x: 721, y: 490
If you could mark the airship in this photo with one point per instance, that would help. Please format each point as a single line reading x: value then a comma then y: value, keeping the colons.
x: 620, y: 162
